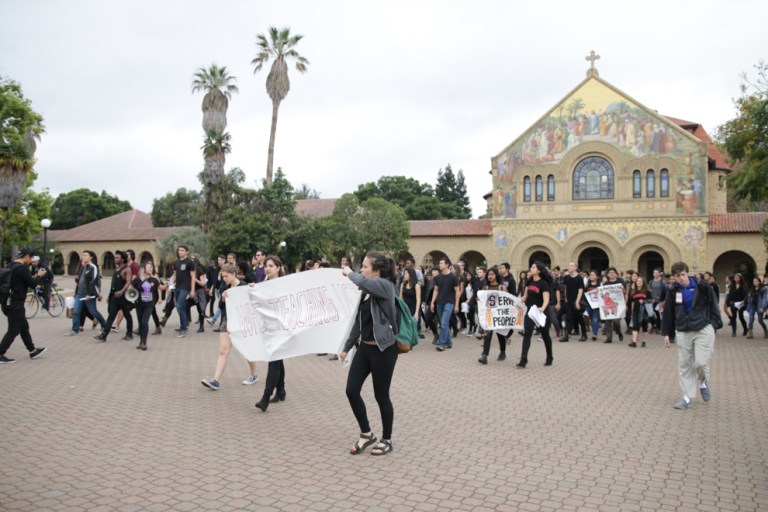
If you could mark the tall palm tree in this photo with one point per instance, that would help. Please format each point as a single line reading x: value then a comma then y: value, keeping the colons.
x: 218, y: 85
x: 281, y: 47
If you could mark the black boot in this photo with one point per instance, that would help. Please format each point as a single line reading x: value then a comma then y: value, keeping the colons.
x: 279, y: 397
x: 262, y: 404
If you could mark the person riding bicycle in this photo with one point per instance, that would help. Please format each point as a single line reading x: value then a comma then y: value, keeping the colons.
x: 45, y: 282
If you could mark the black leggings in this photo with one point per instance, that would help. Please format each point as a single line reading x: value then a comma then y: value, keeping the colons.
x: 116, y: 305
x: 380, y: 365
x: 144, y: 312
x: 740, y: 313
x: 275, y: 379
x: 487, y: 342
x: 529, y: 326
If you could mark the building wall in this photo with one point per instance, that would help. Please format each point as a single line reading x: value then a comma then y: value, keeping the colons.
x: 71, y: 252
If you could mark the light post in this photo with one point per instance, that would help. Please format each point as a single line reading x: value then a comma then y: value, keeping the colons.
x: 46, y: 223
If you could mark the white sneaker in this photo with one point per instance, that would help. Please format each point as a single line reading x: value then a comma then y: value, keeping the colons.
x: 251, y: 380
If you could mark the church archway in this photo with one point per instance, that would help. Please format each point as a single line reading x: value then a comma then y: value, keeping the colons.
x: 432, y: 257
x: 73, y: 263
x: 473, y: 259
x: 107, y: 264
x: 541, y: 256
x: 593, y: 258
x: 648, y: 261
x: 146, y: 256
x: 731, y: 262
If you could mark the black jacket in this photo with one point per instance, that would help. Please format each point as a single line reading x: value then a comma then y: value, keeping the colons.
x: 704, y: 312
x: 21, y: 282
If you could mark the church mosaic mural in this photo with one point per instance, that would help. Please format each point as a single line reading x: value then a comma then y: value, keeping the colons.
x: 596, y: 112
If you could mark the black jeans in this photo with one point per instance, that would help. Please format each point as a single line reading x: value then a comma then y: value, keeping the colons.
x: 369, y: 360
x: 275, y: 379
x: 487, y: 342
x: 17, y: 324
x: 572, y: 314
x: 528, y: 333
x: 116, y: 305
x: 144, y: 312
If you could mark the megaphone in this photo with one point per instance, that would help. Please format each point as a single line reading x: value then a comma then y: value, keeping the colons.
x: 132, y: 295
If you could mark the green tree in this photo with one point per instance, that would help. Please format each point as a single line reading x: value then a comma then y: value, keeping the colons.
x: 23, y: 220
x: 181, y: 208
x: 20, y: 125
x: 305, y: 192
x: 745, y: 139
x: 240, y: 230
x: 280, y: 47
x: 194, y: 238
x: 218, y: 85
x: 356, y: 228
x: 81, y: 206
x: 452, y: 189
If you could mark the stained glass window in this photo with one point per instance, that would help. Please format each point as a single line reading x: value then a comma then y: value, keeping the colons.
x: 664, y: 186
x: 527, y: 189
x: 539, y: 188
x: 650, y: 183
x: 593, y: 179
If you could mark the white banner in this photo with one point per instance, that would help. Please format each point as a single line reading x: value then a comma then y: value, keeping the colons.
x: 612, y: 304
x: 306, y: 313
x: 500, y: 311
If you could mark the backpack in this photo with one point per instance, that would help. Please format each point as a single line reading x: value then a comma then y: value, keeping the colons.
x: 5, y: 283
x: 407, y: 336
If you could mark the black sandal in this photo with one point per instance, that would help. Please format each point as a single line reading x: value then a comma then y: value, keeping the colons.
x: 384, y: 447
x: 369, y: 440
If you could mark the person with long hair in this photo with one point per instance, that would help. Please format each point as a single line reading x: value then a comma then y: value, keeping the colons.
x: 493, y: 282
x: 641, y: 296
x: 758, y: 301
x: 230, y: 280
x: 374, y: 333
x: 593, y: 282
x: 148, y: 286
x: 275, y: 383
x: 537, y: 293
x: 736, y: 300
x: 410, y: 291
x: 522, y: 282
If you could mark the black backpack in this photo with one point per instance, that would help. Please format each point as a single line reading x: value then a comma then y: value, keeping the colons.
x: 5, y: 283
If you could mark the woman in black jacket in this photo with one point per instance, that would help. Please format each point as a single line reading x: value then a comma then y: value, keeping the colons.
x: 736, y: 301
x: 377, y: 350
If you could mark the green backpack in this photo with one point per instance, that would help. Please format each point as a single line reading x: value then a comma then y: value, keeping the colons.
x: 408, y: 335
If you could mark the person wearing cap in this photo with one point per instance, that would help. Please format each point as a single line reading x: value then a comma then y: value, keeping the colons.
x: 13, y: 308
x: 45, y: 282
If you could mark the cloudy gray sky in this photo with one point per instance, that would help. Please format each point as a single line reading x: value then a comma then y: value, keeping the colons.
x: 394, y: 87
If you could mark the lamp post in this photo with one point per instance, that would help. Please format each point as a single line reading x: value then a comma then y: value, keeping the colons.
x: 46, y: 223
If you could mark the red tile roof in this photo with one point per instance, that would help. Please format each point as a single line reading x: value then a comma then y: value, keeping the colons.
x: 698, y: 131
x: 468, y: 227
x: 315, y: 207
x: 737, y: 222
x: 129, y: 225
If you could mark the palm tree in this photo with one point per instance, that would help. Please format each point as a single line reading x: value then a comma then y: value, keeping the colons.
x: 280, y: 47
x: 219, y: 86
x: 215, y: 148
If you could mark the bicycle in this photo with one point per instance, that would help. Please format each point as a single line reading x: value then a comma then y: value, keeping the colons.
x: 36, y: 300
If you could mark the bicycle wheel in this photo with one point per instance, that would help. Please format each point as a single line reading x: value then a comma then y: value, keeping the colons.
x: 56, y: 305
x: 31, y: 305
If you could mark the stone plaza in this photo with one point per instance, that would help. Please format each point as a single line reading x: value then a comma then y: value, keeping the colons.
x: 102, y: 426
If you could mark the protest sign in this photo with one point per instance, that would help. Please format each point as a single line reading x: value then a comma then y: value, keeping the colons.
x: 500, y: 311
x: 612, y: 303
x: 307, y: 313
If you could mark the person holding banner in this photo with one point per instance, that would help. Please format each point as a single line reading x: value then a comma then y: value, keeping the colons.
x: 592, y: 311
x: 377, y: 353
x: 537, y: 293
x: 230, y: 280
x: 614, y: 324
x: 493, y: 282
x: 273, y: 268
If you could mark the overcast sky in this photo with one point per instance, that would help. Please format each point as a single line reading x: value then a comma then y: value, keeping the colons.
x: 393, y: 88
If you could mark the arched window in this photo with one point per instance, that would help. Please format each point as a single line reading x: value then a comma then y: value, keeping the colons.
x: 527, y: 189
x: 650, y: 183
x: 550, y: 188
x: 637, y: 184
x: 664, y: 186
x: 539, y: 188
x: 593, y: 179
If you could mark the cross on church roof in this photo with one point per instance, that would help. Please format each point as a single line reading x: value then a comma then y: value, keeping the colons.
x: 592, y: 57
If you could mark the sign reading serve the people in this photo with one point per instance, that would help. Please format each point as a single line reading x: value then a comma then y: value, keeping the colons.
x: 307, y: 313
x: 500, y: 311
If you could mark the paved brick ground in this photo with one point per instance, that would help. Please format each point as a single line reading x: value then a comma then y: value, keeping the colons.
x: 102, y: 427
